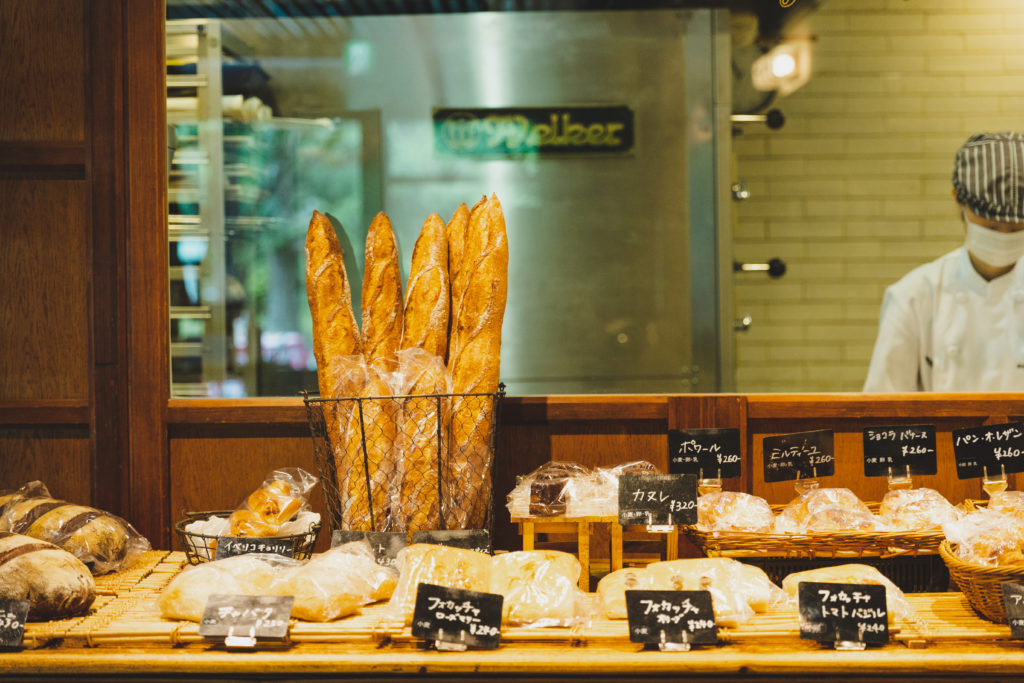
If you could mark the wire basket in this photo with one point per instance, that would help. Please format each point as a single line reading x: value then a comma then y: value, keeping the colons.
x: 406, y: 463
x: 203, y: 547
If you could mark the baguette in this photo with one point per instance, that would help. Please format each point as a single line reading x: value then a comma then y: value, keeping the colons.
x: 427, y: 299
x: 382, y: 295
x: 424, y: 417
x: 371, y: 473
x: 455, y: 233
x: 474, y: 360
x: 54, y: 581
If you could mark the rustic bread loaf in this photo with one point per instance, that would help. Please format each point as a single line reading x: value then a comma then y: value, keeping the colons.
x: 424, y: 438
x: 427, y: 297
x: 370, y: 473
x: 382, y: 295
x: 54, y: 581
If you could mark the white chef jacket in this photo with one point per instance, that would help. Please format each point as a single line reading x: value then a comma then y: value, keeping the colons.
x: 943, y: 327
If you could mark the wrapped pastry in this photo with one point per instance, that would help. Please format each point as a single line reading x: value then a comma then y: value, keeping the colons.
x: 548, y: 490
x: 1007, y: 502
x: 896, y: 602
x: 916, y: 510
x: 438, y: 565
x: 280, y: 497
x: 186, y: 595
x: 56, y: 583
x: 987, y: 537
x: 104, y: 542
x: 611, y: 590
x: 734, y: 511
x: 826, y: 510
x: 540, y: 587
x: 605, y: 493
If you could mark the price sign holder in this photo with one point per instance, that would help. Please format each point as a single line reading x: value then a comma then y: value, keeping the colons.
x: 802, y: 455
x: 899, y: 451
x: 1013, y: 603
x: 13, y: 614
x: 244, y: 620
x: 385, y: 544
x: 672, y: 621
x: 657, y: 500
x: 992, y: 450
x: 707, y: 453
x: 456, y: 619
x: 850, y: 616
x: 230, y: 546
x: 467, y: 539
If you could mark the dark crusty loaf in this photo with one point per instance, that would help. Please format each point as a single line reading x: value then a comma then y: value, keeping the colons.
x: 54, y: 581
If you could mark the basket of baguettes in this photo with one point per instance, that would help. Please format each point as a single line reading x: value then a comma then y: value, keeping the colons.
x: 403, y: 429
x: 985, y: 549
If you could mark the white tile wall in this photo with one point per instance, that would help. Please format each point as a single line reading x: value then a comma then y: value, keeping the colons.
x: 854, y: 191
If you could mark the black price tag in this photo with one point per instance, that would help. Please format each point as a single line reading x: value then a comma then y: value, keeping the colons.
x: 988, y: 449
x: 671, y: 617
x: 708, y: 453
x: 467, y: 539
x: 13, y: 614
x: 229, y: 546
x: 457, y: 616
x: 838, y: 612
x: 1013, y: 603
x: 243, y: 619
x: 385, y: 544
x: 655, y: 499
x: 898, y: 447
x: 803, y: 455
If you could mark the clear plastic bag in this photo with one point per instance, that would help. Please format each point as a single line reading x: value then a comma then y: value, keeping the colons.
x: 540, y: 587
x: 734, y: 511
x: 862, y: 574
x: 548, y: 490
x: 438, y: 565
x: 919, y: 509
x: 1007, y: 502
x: 827, y: 510
x: 104, y: 542
x: 611, y: 590
x: 281, y: 496
x: 986, y: 537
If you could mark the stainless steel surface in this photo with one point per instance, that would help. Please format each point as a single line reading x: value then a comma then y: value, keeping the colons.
x: 616, y: 263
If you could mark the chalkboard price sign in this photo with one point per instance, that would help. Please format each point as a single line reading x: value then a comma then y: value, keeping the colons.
x: 989, y: 449
x: 466, y: 619
x: 230, y: 546
x: 13, y: 614
x: 657, y: 499
x: 243, y: 619
x: 896, y: 448
x: 385, y: 544
x: 467, y: 539
x: 802, y: 455
x: 707, y: 453
x: 1013, y: 603
x: 843, y: 612
x: 662, y: 617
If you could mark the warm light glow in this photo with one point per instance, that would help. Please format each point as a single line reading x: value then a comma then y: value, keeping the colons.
x: 784, y: 68
x: 783, y: 65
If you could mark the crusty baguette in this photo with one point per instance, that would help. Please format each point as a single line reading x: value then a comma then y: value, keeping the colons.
x: 54, y: 581
x: 335, y: 332
x: 382, y: 294
x: 427, y: 298
x: 475, y: 358
x: 455, y: 232
x: 374, y: 426
x: 424, y: 420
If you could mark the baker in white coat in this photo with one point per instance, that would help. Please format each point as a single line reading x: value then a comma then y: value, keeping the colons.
x: 957, y: 323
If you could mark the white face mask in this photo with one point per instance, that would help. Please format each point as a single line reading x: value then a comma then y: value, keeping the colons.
x: 997, y: 249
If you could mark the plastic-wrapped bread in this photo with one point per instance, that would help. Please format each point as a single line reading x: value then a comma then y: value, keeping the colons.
x: 438, y: 565
x: 986, y: 537
x: 734, y: 511
x: 540, y: 587
x: 478, y: 308
x: 370, y: 477
x: 611, y: 590
x: 827, y: 510
x: 54, y: 581
x: 896, y: 602
x: 916, y: 509
x: 382, y: 295
x: 427, y: 297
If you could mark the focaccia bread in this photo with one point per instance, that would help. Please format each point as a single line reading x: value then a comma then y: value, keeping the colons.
x: 478, y: 307
x: 539, y: 586
x: 375, y: 427
x: 54, y: 581
x: 382, y: 295
x: 737, y: 590
x: 427, y: 297
x: 611, y: 590
x: 438, y: 565
x: 896, y: 602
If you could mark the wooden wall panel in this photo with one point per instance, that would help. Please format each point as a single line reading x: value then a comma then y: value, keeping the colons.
x: 58, y: 456
x: 44, y: 277
x: 41, y: 50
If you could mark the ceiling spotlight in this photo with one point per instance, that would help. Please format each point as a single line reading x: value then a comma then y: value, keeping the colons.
x: 784, y: 68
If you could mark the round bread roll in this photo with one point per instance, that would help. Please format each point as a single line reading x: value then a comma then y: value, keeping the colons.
x: 55, y: 582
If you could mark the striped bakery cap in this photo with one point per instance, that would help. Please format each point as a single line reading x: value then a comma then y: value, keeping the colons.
x: 988, y: 176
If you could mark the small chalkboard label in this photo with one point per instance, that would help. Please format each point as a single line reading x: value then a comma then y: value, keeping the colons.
x: 802, y: 455
x: 843, y: 612
x: 671, y: 617
x: 1013, y: 603
x: 461, y: 617
x: 246, y: 618
x: 891, y: 450
x: 657, y: 499
x: 229, y: 546
x: 385, y: 544
x: 708, y: 453
x: 13, y: 614
x: 467, y: 539
x: 989, y: 450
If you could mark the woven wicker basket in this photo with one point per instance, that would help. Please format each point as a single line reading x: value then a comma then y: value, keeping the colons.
x: 981, y: 585
x: 847, y: 544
